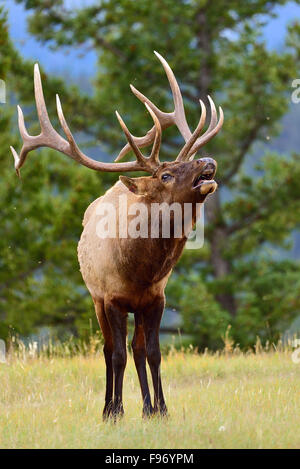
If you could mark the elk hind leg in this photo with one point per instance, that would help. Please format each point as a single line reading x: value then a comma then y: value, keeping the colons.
x: 151, y: 320
x: 108, y: 352
x: 117, y: 319
x: 139, y: 355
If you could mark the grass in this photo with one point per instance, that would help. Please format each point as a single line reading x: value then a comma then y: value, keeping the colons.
x: 227, y: 400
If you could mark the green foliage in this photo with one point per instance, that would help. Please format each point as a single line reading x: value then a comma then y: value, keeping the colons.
x: 265, y: 208
x: 269, y: 299
x: 41, y: 215
x: 40, y: 282
x: 41, y: 224
x: 214, y: 48
x: 202, y: 316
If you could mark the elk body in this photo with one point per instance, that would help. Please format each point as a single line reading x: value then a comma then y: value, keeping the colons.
x: 129, y: 274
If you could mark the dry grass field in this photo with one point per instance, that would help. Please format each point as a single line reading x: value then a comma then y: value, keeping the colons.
x: 226, y: 400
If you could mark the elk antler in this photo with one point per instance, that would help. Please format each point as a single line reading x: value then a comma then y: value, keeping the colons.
x: 50, y: 138
x: 177, y: 117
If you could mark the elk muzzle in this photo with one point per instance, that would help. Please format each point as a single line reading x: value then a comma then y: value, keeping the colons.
x: 204, y: 182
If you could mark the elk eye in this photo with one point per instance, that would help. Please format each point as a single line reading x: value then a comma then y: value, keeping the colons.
x: 166, y: 177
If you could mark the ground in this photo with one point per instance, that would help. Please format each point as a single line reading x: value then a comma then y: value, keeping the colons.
x: 215, y: 401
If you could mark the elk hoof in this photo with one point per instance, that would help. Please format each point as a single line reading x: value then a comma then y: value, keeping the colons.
x: 148, y: 411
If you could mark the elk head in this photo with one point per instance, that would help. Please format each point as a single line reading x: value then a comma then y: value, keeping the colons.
x: 187, y: 182
x: 183, y: 180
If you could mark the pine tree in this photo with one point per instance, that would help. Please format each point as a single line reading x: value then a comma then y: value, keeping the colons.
x: 40, y: 282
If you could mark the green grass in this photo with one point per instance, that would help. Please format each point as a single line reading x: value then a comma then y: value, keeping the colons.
x: 214, y: 401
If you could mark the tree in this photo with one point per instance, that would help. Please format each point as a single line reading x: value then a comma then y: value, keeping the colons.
x: 214, y: 48
x: 40, y: 282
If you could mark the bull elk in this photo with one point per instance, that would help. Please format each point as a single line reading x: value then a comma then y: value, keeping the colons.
x: 129, y: 274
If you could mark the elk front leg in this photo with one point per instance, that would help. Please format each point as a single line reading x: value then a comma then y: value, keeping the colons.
x: 117, y: 319
x: 108, y: 351
x: 151, y: 319
x: 139, y: 355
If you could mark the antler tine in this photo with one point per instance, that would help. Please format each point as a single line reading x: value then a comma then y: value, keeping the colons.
x: 164, y: 117
x: 139, y: 156
x: 141, y: 142
x: 50, y: 138
x: 178, y: 114
x: 213, y: 116
x: 16, y: 159
x: 184, y: 153
x: 76, y: 153
x: 154, y: 157
x: 214, y: 127
x: 42, y: 113
x: 152, y: 161
x: 24, y: 134
x: 21, y: 123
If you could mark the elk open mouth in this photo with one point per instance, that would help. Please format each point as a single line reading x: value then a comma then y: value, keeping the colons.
x: 204, y: 182
x: 203, y: 177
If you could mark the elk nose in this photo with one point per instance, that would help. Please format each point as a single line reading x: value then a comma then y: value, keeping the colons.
x: 210, y: 163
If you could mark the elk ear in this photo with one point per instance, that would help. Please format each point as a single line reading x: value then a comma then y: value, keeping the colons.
x: 130, y: 183
x: 138, y: 186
